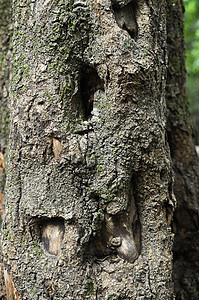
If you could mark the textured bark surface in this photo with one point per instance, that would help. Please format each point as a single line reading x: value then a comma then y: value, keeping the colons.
x: 89, y: 177
x: 5, y: 55
x: 90, y: 185
x: 185, y: 163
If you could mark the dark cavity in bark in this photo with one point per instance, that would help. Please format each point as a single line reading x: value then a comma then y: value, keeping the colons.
x: 90, y: 82
x: 126, y: 17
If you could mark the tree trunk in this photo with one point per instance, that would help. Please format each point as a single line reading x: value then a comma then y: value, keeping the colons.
x: 90, y: 198
x: 185, y: 163
x: 5, y: 56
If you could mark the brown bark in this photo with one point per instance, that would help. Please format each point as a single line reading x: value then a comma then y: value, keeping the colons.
x: 185, y: 162
x: 5, y: 55
x: 90, y: 198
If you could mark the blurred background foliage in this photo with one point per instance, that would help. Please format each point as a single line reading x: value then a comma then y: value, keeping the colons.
x: 192, y: 60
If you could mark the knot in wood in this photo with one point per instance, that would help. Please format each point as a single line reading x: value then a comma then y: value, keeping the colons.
x: 116, y: 241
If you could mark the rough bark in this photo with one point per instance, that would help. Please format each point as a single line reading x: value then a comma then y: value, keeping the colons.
x: 90, y: 184
x: 185, y: 162
x: 5, y: 55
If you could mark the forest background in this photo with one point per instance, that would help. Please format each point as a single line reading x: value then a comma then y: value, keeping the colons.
x: 192, y: 60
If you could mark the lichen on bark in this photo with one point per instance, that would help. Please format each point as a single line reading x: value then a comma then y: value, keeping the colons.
x: 90, y: 185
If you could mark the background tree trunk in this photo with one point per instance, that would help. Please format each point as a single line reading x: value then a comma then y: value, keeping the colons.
x: 185, y: 162
x: 90, y: 185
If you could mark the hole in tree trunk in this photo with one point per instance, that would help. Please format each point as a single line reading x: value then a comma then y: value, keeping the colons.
x: 90, y: 82
x: 126, y: 18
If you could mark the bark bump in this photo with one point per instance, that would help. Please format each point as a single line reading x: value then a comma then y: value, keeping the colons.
x: 119, y: 234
